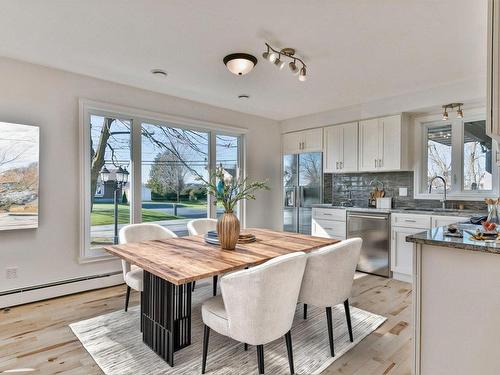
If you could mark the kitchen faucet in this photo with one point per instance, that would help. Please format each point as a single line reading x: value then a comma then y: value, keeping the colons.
x: 443, y: 201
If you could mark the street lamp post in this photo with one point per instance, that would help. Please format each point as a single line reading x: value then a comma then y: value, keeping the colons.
x: 119, y: 181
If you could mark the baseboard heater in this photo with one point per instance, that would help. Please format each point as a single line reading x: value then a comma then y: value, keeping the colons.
x: 21, y: 296
x: 58, y: 283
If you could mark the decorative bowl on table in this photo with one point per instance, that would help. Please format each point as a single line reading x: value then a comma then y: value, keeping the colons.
x: 213, y: 239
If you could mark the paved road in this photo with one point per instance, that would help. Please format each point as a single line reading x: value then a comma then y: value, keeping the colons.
x: 179, y: 226
x: 184, y: 211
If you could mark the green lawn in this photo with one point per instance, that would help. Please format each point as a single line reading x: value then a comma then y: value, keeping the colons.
x: 103, y: 214
x: 183, y: 203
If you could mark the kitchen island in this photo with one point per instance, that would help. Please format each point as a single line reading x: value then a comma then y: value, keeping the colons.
x: 456, y: 304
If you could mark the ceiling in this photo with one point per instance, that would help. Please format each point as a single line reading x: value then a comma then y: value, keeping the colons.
x: 356, y: 51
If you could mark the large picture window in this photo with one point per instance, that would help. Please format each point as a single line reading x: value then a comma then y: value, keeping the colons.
x: 138, y: 170
x: 461, y: 152
x: 173, y: 159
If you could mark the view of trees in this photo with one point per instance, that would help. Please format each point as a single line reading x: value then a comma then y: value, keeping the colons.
x: 477, y: 152
x: 172, y: 158
x: 168, y: 174
x: 18, y: 168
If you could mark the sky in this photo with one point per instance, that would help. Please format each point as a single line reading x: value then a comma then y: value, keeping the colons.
x: 19, y: 145
x: 227, y: 149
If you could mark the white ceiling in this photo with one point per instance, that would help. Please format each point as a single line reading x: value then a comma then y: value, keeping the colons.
x: 356, y: 51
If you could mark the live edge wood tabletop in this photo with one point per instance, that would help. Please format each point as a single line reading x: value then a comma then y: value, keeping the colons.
x: 185, y: 259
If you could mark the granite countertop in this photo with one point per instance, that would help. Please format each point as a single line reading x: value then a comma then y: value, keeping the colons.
x: 434, y: 212
x: 436, y: 237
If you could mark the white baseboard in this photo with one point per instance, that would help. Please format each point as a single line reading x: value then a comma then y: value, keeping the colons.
x: 22, y: 297
x: 402, y: 277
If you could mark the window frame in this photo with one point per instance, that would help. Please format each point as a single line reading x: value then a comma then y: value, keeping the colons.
x: 457, y: 192
x: 137, y: 117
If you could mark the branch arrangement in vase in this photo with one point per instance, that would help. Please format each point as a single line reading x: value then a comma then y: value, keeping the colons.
x: 229, y: 190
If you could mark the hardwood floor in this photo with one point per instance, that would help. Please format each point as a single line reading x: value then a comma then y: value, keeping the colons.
x: 37, y: 335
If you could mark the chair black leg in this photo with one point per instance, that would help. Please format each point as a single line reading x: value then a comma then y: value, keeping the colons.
x: 127, y: 298
x: 330, y: 329
x: 206, y: 335
x: 288, y: 340
x: 260, y: 358
x: 194, y: 284
x: 348, y: 317
x: 215, y: 285
x: 305, y: 311
x: 245, y: 346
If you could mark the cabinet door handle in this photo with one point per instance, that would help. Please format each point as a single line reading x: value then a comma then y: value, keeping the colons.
x: 375, y: 163
x: 341, y: 164
x: 410, y: 221
x: 380, y: 164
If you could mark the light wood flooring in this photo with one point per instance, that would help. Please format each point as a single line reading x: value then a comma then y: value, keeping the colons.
x: 37, y: 336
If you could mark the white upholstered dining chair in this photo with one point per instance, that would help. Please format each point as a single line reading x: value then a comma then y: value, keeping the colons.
x: 328, y: 280
x: 257, y: 305
x: 201, y: 227
x: 138, y: 233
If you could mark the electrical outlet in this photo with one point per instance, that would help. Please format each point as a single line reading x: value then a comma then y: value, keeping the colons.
x: 403, y: 192
x: 11, y: 273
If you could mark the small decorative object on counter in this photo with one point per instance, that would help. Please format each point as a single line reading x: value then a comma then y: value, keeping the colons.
x: 229, y: 191
x: 384, y: 203
x: 493, y: 210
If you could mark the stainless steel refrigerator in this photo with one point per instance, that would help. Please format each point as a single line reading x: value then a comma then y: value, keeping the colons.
x: 303, y: 187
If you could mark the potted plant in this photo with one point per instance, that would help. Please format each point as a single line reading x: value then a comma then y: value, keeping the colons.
x: 229, y: 191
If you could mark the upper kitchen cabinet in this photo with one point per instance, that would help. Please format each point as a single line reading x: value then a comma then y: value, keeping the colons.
x: 493, y: 76
x: 304, y: 141
x: 340, y: 152
x: 383, y: 144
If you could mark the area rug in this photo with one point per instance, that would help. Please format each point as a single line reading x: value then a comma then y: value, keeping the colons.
x: 115, y: 342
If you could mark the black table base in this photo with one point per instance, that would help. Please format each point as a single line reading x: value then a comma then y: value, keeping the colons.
x: 165, y: 316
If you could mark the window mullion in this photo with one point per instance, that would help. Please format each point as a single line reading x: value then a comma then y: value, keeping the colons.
x: 456, y: 157
x: 136, y: 169
x: 212, y: 160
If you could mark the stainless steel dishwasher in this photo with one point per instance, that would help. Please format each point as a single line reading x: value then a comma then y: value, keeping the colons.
x: 374, y: 229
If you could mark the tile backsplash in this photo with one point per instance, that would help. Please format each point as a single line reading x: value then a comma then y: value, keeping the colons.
x: 338, y: 186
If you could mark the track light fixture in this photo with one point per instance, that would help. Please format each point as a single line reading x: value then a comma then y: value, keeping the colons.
x: 460, y: 112
x: 278, y: 59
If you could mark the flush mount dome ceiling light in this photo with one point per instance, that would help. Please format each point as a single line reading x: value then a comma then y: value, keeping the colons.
x: 278, y: 59
x: 240, y: 63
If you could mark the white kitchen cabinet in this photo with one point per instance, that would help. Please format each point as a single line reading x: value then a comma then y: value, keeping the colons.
x: 402, y: 253
x: 440, y: 221
x: 383, y: 144
x: 390, y: 129
x: 340, y: 152
x: 404, y: 225
x: 368, y: 145
x: 422, y: 222
x: 304, y: 141
x: 329, y: 223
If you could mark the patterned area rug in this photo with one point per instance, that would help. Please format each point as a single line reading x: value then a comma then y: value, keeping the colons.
x: 115, y: 342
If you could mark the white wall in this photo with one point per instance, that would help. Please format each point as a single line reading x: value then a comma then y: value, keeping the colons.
x: 472, y: 92
x: 37, y: 95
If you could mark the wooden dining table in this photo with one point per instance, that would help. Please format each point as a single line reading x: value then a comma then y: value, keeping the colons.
x: 172, y: 265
